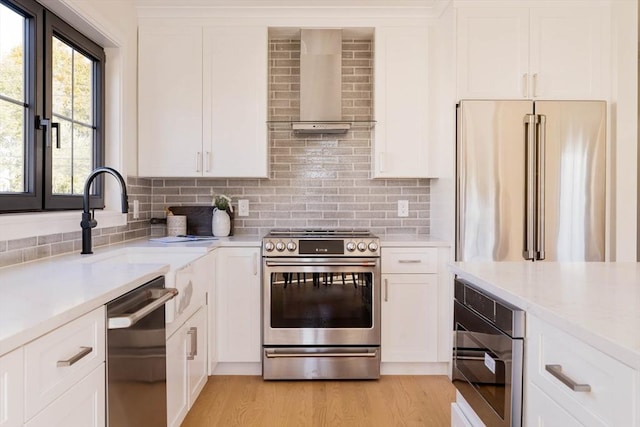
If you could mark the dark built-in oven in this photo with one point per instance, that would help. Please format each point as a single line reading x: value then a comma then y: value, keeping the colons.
x: 321, y: 313
x: 488, y: 355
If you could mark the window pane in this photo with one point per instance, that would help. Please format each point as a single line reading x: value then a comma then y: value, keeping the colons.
x: 82, y: 156
x: 62, y: 79
x: 82, y: 89
x: 11, y: 54
x: 72, y: 83
x: 12, y: 102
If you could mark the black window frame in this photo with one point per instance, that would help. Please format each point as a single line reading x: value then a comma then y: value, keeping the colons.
x: 42, y: 25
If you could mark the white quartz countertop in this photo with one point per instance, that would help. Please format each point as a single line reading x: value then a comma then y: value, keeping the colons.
x: 40, y: 296
x: 599, y: 303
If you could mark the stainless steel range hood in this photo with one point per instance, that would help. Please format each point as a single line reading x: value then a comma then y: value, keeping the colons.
x: 321, y: 82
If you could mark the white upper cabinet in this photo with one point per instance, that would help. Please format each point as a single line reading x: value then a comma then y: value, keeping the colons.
x: 170, y: 101
x: 493, y: 52
x: 401, y: 146
x: 235, y: 104
x: 202, y: 100
x: 550, y: 52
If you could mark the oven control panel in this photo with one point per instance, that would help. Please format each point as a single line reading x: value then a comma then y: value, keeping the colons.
x: 357, y: 247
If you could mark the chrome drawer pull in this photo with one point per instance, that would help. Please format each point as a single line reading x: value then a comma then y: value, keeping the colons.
x: 73, y: 359
x: 556, y: 371
x: 193, y: 333
x: 409, y: 261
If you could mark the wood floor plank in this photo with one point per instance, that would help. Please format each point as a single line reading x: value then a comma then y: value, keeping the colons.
x: 247, y: 401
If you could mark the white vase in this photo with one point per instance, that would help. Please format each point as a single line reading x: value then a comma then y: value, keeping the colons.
x: 221, y: 223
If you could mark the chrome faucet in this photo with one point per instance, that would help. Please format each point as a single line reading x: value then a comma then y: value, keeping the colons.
x: 88, y: 222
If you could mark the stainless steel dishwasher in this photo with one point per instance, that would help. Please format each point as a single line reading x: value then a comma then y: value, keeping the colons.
x: 136, y: 357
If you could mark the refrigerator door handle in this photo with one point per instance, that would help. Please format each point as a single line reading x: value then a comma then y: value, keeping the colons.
x: 541, y: 141
x: 528, y: 252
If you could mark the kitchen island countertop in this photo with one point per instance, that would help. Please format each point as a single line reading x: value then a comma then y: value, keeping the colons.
x: 599, y: 302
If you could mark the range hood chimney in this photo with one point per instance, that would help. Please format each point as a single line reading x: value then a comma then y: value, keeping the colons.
x: 321, y: 82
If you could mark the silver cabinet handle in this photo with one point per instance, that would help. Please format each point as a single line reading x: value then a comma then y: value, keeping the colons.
x: 198, y: 160
x: 386, y: 290
x: 255, y: 264
x: 126, y: 321
x: 556, y: 371
x: 76, y: 357
x: 525, y: 85
x: 193, y: 333
x: 535, y: 85
x: 381, y: 161
x: 207, y: 161
x: 409, y: 261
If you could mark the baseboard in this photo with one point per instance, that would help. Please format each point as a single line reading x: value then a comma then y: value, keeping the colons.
x: 239, y: 368
x: 392, y: 368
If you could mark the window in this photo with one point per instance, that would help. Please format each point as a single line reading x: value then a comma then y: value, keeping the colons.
x: 51, y: 110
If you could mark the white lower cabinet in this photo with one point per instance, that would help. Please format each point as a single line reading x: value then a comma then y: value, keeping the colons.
x: 83, y: 405
x: 11, y: 389
x: 457, y: 417
x: 542, y: 411
x: 238, y: 304
x: 409, y: 318
x: 590, y: 386
x: 186, y: 366
x: 412, y: 309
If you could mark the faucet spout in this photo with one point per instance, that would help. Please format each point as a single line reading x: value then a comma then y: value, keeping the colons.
x: 88, y: 222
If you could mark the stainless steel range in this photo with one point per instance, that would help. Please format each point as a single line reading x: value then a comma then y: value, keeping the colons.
x: 321, y: 304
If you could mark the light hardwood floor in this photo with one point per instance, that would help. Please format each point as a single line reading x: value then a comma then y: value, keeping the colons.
x: 390, y: 401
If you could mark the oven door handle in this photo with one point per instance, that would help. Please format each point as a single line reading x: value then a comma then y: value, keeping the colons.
x: 274, y: 355
x: 321, y: 264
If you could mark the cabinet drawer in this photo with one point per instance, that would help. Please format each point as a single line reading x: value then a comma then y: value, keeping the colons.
x: 83, y: 405
x: 611, y: 397
x: 58, y: 360
x: 409, y: 260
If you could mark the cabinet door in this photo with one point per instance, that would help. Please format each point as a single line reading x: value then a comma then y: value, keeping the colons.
x: 197, y: 354
x: 542, y: 411
x: 401, y: 146
x: 170, y: 100
x: 492, y: 53
x: 238, y: 305
x: 410, y: 318
x: 11, y: 389
x: 177, y: 394
x: 83, y: 405
x: 235, y: 107
x: 568, y: 52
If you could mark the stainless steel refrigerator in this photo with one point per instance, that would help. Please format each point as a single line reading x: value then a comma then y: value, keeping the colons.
x: 530, y: 180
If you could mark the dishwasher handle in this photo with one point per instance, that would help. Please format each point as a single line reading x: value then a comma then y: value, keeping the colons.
x: 126, y: 321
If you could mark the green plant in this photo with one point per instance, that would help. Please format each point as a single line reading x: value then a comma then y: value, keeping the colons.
x: 222, y: 202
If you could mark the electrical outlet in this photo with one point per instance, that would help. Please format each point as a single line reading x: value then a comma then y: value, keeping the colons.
x: 136, y: 209
x: 403, y: 208
x: 243, y: 207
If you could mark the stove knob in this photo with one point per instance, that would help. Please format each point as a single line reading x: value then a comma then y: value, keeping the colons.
x: 373, y: 246
x: 291, y: 246
x: 280, y: 246
x: 362, y: 246
x: 351, y: 246
x: 269, y: 246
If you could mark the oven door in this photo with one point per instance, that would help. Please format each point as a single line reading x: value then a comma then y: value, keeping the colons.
x: 321, y: 301
x: 487, y: 369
